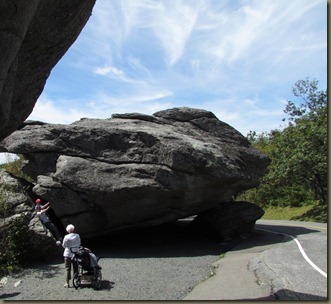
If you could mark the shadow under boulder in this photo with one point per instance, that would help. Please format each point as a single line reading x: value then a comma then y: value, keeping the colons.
x: 229, y: 220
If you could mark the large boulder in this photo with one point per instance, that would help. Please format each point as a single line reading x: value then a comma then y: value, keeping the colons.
x: 230, y: 220
x: 136, y: 170
x: 34, y: 35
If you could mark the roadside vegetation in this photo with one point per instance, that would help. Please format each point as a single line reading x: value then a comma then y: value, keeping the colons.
x: 295, y: 187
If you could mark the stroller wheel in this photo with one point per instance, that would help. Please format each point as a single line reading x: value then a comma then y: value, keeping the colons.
x: 76, y: 280
x: 97, y: 280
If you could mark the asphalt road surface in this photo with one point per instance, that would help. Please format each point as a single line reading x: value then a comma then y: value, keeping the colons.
x: 299, y: 264
x: 281, y: 260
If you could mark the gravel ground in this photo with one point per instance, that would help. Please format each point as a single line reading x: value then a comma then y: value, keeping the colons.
x: 151, y: 264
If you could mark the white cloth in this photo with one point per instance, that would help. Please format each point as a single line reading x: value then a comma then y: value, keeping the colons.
x: 69, y: 241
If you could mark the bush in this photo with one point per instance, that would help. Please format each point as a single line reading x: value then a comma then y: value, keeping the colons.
x: 268, y: 195
x: 15, y: 243
x: 14, y: 235
x: 15, y: 166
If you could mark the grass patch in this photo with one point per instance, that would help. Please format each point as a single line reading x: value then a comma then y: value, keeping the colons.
x: 311, y: 213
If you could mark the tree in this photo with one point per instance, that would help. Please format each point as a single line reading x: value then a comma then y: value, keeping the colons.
x: 298, y: 171
x: 314, y: 101
x: 303, y: 152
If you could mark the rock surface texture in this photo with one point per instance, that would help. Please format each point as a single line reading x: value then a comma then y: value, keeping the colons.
x: 229, y: 220
x: 17, y: 195
x: 136, y: 170
x: 34, y: 35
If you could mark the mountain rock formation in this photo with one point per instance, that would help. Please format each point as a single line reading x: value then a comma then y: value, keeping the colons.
x: 135, y: 170
x: 16, y: 195
x: 34, y: 35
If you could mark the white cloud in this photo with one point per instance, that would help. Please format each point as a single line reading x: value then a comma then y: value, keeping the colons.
x: 101, y: 106
x: 119, y: 75
x: 136, y: 65
x: 109, y: 69
x: 50, y: 111
x: 250, y: 114
x: 207, y: 34
x: 174, y: 26
x: 137, y: 100
x: 259, y: 31
x: 170, y: 21
x: 150, y: 55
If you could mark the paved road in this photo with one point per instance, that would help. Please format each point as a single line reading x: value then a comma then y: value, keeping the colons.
x: 269, y: 265
x: 299, y: 264
x: 166, y: 263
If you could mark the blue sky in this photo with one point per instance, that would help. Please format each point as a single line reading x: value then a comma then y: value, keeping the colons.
x: 236, y: 58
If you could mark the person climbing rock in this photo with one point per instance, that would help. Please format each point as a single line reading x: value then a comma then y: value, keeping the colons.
x: 41, y: 213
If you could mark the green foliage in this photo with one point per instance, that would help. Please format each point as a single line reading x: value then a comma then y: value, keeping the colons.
x: 298, y: 172
x: 270, y: 194
x: 302, y: 150
x: 14, y: 166
x: 310, y: 213
x: 284, y: 213
x: 318, y: 213
x: 14, y: 245
x: 14, y: 235
x: 314, y: 101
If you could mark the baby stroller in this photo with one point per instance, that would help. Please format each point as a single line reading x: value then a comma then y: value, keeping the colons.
x: 88, y: 269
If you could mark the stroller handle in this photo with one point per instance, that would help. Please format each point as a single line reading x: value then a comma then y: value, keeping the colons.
x: 76, y: 250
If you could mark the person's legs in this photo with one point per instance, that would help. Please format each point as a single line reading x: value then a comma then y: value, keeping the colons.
x: 67, y: 264
x: 54, y: 231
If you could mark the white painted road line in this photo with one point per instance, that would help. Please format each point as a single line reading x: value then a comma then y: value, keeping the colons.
x: 301, y: 250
